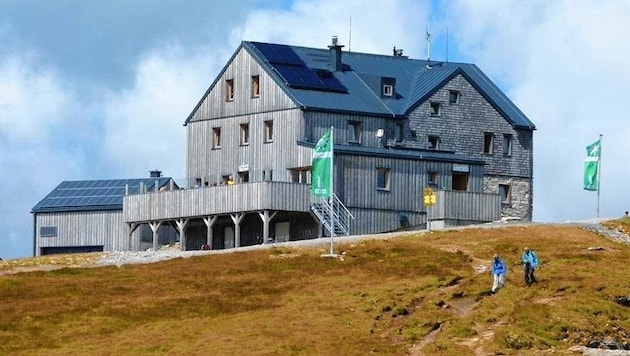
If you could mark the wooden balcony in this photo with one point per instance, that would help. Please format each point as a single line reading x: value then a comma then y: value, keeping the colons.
x: 223, y: 199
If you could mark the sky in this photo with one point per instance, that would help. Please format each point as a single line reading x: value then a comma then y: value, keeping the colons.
x: 100, y: 89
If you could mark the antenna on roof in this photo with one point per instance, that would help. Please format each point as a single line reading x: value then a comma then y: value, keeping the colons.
x: 447, y: 44
x: 350, y: 36
x: 428, y: 48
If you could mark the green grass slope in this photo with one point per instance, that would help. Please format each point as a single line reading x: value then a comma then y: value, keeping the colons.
x: 421, y: 294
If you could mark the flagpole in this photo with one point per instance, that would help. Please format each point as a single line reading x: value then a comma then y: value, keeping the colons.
x: 332, y: 189
x: 599, y: 171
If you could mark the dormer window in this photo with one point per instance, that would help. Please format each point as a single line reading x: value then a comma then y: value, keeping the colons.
x: 387, y: 87
x: 435, y: 109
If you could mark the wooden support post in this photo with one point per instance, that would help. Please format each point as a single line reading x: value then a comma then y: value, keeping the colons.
x: 181, y: 227
x: 236, y: 218
x: 266, y: 218
x: 155, y: 225
x: 209, y: 221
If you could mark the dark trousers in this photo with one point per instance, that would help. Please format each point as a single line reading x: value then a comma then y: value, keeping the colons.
x: 529, y: 274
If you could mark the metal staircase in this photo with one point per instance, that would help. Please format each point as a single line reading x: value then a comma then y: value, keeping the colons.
x: 340, y: 215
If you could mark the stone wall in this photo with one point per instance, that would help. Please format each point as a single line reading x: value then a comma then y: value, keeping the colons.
x: 520, y: 194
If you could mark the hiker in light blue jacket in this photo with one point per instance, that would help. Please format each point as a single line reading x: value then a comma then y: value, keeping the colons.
x: 498, y: 272
x: 530, y: 263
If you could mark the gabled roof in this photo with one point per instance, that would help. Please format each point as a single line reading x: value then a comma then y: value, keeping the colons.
x: 304, y: 72
x: 86, y: 195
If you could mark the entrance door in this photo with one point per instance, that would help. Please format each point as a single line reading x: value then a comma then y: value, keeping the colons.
x: 228, y: 237
x: 282, y: 231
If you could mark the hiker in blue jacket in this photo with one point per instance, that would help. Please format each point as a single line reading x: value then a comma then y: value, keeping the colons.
x: 498, y: 271
x: 530, y: 262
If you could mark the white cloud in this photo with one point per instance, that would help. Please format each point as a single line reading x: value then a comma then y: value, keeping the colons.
x: 143, y: 124
x: 566, y: 64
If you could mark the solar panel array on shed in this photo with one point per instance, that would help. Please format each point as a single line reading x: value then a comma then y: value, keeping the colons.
x: 95, y: 194
x: 295, y: 71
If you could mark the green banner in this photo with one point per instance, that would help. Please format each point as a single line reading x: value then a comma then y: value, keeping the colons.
x: 322, y: 167
x: 591, y: 166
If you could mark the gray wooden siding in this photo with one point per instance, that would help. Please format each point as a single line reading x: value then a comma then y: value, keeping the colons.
x: 241, y: 70
x: 83, y: 228
x: 368, y: 221
x: 466, y: 206
x: 216, y: 200
x: 259, y: 156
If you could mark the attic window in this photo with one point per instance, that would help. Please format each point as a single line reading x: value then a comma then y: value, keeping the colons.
x: 255, y: 86
x: 435, y: 109
x: 487, y: 142
x: 229, y: 89
x: 387, y: 87
x: 453, y: 97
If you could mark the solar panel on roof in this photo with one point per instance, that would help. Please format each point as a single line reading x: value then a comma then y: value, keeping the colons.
x: 278, y: 54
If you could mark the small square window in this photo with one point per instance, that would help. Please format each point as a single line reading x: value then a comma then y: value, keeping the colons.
x: 382, y: 178
x: 507, y: 145
x: 299, y: 175
x: 244, y: 134
x: 229, y: 89
x: 216, y: 138
x: 453, y: 97
x: 388, y: 90
x: 255, y: 86
x: 435, y: 109
x: 505, y: 192
x: 434, y: 142
x: 488, y: 138
x: 268, y: 131
x: 354, y: 132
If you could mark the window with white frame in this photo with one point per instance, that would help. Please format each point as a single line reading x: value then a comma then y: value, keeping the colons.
x: 382, y: 179
x: 299, y: 175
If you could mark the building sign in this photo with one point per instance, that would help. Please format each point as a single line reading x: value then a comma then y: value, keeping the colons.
x: 464, y: 168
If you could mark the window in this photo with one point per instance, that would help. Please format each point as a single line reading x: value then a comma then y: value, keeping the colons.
x: 388, y: 90
x: 460, y: 181
x: 387, y: 87
x: 507, y: 145
x: 48, y: 231
x: 400, y: 132
x: 435, y: 109
x: 506, y: 194
x: 434, y: 142
x: 255, y: 86
x: 354, y: 132
x: 299, y: 175
x: 243, y: 177
x: 229, y: 89
x: 453, y: 97
x: 267, y: 175
x: 432, y: 178
x: 487, y: 142
x: 268, y: 131
x: 244, y: 134
x: 216, y: 138
x: 382, y: 179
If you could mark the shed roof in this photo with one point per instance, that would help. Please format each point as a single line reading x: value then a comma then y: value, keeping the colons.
x: 86, y: 195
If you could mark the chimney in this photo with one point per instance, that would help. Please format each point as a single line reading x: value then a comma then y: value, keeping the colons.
x: 335, y: 56
x: 155, y: 173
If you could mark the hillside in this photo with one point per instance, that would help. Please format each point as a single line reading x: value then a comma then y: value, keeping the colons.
x: 417, y: 293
